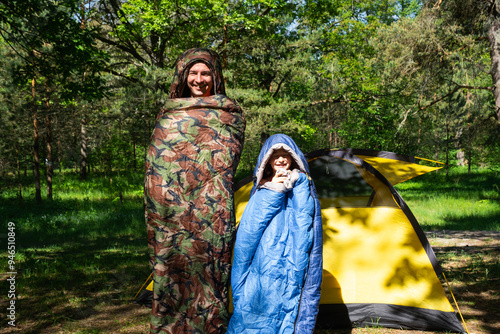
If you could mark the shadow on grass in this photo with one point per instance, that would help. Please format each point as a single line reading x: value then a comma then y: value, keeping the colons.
x: 489, y: 222
x: 483, y: 184
x: 74, y: 258
x: 61, y: 221
x: 474, y: 275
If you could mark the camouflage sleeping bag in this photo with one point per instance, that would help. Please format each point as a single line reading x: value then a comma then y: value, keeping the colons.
x: 190, y: 165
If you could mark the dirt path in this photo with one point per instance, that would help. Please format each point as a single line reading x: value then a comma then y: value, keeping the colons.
x: 483, y: 239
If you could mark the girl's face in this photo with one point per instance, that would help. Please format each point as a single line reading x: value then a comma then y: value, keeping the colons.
x: 280, y: 159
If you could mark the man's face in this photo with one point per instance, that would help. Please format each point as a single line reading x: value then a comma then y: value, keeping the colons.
x: 280, y: 159
x: 200, y: 80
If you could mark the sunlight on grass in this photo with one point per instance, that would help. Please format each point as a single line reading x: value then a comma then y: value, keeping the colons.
x: 451, y: 213
x: 459, y: 202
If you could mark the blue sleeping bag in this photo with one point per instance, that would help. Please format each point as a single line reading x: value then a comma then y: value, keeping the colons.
x: 277, y: 262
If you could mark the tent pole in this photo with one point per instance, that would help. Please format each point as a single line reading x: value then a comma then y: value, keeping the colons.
x: 143, y: 286
x: 456, y: 304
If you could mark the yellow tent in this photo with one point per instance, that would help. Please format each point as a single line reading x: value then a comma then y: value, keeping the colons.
x: 379, y: 269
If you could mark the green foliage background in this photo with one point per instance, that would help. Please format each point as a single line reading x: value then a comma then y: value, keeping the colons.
x: 407, y: 76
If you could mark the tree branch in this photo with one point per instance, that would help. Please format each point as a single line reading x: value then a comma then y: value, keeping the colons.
x: 453, y: 91
x: 128, y: 50
x: 131, y: 79
x: 437, y: 5
x: 279, y: 86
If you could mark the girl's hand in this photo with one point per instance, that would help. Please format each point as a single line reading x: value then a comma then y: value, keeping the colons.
x: 280, y: 176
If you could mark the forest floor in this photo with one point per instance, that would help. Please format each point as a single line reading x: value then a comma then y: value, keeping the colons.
x: 470, y: 260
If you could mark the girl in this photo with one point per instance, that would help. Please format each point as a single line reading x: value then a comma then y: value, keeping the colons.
x: 277, y: 263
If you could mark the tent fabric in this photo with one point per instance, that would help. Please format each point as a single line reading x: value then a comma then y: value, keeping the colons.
x: 145, y: 295
x: 379, y: 268
x: 345, y: 180
x: 190, y: 166
x: 394, y: 167
x: 390, y: 316
x: 277, y: 262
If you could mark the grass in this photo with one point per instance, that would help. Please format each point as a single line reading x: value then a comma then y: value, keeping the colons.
x: 78, y: 252
x: 81, y: 257
x: 457, y: 202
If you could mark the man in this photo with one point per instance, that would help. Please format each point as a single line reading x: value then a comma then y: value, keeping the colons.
x: 199, y: 80
x: 190, y: 166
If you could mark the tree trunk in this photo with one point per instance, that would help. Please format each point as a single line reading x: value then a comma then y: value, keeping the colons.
x: 49, y: 166
x: 469, y: 140
x: 26, y: 162
x: 447, y: 149
x: 75, y: 154
x: 109, y: 156
x: 436, y: 140
x: 469, y: 155
x: 330, y: 126
x: 36, y: 147
x: 83, y: 149
x: 59, y: 154
x: 134, y: 160
x: 20, y: 186
x: 494, y: 40
x: 263, y: 137
x: 419, y: 136
x: 224, y: 50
